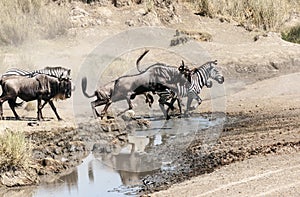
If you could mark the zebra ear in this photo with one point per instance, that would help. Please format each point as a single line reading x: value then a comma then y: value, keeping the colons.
x: 182, y: 63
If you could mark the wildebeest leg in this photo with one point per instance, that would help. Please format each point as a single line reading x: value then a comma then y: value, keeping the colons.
x: 104, y: 111
x: 1, y: 110
x: 97, y: 103
x: 12, y: 105
x: 42, y: 108
x: 54, y: 109
x: 149, y: 99
x: 129, y: 103
x: 161, y: 105
x: 39, y: 111
x: 171, y: 105
x: 162, y: 101
x: 3, y: 98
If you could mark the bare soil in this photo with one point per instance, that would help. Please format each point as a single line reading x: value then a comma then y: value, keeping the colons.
x: 260, y: 142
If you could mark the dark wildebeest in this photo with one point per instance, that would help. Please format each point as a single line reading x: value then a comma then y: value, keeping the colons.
x: 127, y: 87
x: 41, y: 87
x: 103, y: 96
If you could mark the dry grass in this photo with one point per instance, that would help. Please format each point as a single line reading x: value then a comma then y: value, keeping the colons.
x: 24, y: 19
x: 263, y: 14
x: 15, y: 151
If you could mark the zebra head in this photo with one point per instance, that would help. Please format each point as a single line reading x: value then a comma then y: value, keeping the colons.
x: 66, y: 74
x: 216, y: 74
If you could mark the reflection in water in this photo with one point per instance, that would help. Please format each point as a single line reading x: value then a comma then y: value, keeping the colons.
x: 91, y: 172
x: 106, y: 174
x: 91, y: 178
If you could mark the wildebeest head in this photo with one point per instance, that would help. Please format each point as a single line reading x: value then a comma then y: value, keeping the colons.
x: 65, y: 89
x: 183, y: 68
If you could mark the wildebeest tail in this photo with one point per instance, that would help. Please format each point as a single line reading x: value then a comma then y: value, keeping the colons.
x: 19, y: 104
x: 139, y: 59
x: 83, y: 86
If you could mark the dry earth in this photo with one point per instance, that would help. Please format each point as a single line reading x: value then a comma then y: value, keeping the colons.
x: 261, y: 136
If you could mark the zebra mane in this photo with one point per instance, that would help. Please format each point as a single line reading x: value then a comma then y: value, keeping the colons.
x: 210, y: 64
x: 57, y: 71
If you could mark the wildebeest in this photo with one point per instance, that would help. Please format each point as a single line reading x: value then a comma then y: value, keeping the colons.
x: 41, y: 87
x: 128, y: 86
x: 103, y: 96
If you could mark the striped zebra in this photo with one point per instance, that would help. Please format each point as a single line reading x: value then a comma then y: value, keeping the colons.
x: 197, y: 79
x: 58, y: 72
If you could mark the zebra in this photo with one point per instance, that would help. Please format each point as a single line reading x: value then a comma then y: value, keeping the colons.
x: 58, y: 72
x: 198, y: 78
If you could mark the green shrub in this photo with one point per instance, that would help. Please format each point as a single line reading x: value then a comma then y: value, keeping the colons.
x: 264, y: 14
x: 293, y: 35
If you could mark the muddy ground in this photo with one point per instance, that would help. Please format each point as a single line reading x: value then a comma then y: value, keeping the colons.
x: 262, y: 102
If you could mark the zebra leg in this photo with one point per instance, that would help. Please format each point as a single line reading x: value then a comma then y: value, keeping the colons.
x: 179, y: 103
x: 54, y: 109
x: 188, y: 105
x: 199, y: 101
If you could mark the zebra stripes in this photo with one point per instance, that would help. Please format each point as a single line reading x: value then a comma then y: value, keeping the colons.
x: 197, y: 79
x: 16, y: 71
x: 58, y: 72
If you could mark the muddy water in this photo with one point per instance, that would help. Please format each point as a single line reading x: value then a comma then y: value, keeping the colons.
x: 148, y: 150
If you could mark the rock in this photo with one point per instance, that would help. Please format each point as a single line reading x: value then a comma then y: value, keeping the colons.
x: 122, y: 137
x: 19, y: 178
x: 49, y: 162
x: 130, y: 23
x: 129, y: 115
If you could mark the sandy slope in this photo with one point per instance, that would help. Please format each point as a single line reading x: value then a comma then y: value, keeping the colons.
x: 273, y: 175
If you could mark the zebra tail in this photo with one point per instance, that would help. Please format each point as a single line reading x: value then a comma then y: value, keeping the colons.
x: 83, y: 86
x: 139, y: 59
